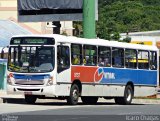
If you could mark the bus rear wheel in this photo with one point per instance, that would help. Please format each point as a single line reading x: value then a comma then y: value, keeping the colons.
x: 30, y: 99
x: 89, y: 100
x: 74, y: 95
x: 128, y: 96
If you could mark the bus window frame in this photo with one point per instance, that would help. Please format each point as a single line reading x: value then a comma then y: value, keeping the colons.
x: 135, y: 59
x: 156, y: 67
x: 143, y: 64
x: 84, y: 55
x: 123, y: 61
x: 80, y: 55
x: 110, y: 57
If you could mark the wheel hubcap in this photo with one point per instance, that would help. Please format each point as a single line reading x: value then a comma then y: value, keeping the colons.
x: 75, y: 95
x: 129, y: 95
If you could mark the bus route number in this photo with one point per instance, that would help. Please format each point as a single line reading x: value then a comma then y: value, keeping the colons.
x: 77, y: 75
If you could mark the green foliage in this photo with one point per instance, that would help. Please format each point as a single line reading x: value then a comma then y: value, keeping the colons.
x: 122, y: 16
x: 127, y: 40
x: 115, y: 36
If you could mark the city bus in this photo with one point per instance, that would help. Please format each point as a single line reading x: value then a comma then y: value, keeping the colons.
x: 65, y: 67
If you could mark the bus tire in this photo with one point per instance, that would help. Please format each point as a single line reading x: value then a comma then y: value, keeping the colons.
x: 74, y: 95
x: 89, y: 100
x: 30, y: 99
x: 128, y: 96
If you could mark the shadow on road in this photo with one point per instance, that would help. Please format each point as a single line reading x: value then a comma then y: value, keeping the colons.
x: 54, y: 103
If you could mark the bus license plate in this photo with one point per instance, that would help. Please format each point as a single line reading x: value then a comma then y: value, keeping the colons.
x: 28, y: 93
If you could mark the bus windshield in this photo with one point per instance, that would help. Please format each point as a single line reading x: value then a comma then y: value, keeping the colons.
x: 31, y: 59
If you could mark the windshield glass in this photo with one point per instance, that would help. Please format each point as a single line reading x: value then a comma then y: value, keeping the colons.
x: 31, y: 59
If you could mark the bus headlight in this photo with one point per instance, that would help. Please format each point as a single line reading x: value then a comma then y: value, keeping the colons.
x: 10, y: 79
x: 50, y: 81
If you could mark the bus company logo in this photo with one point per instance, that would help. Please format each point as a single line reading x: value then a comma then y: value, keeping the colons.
x: 98, y: 75
x: 28, y: 78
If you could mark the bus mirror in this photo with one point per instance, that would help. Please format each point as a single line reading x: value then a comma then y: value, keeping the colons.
x: 2, y: 54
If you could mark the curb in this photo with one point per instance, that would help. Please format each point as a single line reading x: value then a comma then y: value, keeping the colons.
x: 146, y: 101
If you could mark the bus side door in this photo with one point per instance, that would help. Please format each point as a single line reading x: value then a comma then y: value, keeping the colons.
x: 63, y: 64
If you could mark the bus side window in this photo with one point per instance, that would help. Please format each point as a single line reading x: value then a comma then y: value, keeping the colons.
x: 63, y: 61
x: 104, y: 56
x: 90, y: 55
x: 118, y: 57
x: 143, y: 59
x: 153, y: 60
x: 130, y: 58
x: 76, y: 54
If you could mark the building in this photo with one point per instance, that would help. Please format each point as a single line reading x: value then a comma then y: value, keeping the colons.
x: 8, y: 11
x: 147, y: 38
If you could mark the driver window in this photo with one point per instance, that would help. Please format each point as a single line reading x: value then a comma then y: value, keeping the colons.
x: 63, y: 58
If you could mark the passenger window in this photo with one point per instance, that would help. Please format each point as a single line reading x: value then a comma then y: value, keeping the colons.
x: 118, y: 57
x: 130, y: 58
x: 143, y: 59
x: 76, y: 55
x: 63, y: 61
x: 104, y: 56
x: 153, y: 60
x: 90, y: 55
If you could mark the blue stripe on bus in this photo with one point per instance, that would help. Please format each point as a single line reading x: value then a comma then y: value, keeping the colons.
x: 32, y: 77
x: 143, y: 77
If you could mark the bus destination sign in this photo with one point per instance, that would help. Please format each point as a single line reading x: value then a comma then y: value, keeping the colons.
x: 32, y: 41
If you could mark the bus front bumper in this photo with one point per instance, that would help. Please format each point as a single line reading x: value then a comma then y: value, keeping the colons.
x: 34, y: 90
x: 48, y: 91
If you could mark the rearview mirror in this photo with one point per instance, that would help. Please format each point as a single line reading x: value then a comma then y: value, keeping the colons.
x: 2, y: 54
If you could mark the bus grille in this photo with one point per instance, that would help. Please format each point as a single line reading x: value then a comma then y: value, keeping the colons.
x: 30, y: 82
x: 28, y: 89
x: 22, y: 79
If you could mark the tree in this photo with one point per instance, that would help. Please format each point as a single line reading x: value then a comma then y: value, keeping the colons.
x: 127, y: 15
x: 116, y: 36
x: 121, y: 16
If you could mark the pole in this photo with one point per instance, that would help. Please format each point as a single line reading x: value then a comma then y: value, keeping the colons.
x: 89, y: 19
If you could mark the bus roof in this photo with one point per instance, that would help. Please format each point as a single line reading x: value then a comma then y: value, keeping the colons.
x: 100, y: 42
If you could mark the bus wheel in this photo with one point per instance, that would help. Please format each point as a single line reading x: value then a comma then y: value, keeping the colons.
x: 89, y: 100
x: 128, y: 96
x: 30, y: 99
x: 74, y: 95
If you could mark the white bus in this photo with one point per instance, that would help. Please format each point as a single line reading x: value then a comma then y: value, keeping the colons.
x: 42, y: 66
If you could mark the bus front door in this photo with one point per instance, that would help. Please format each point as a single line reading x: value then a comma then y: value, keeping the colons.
x: 63, y: 64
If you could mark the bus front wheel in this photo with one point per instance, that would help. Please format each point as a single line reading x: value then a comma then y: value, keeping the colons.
x: 30, y: 99
x: 74, y: 95
x: 128, y: 96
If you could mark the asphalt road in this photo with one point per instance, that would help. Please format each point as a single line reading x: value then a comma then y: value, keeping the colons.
x: 60, y: 111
